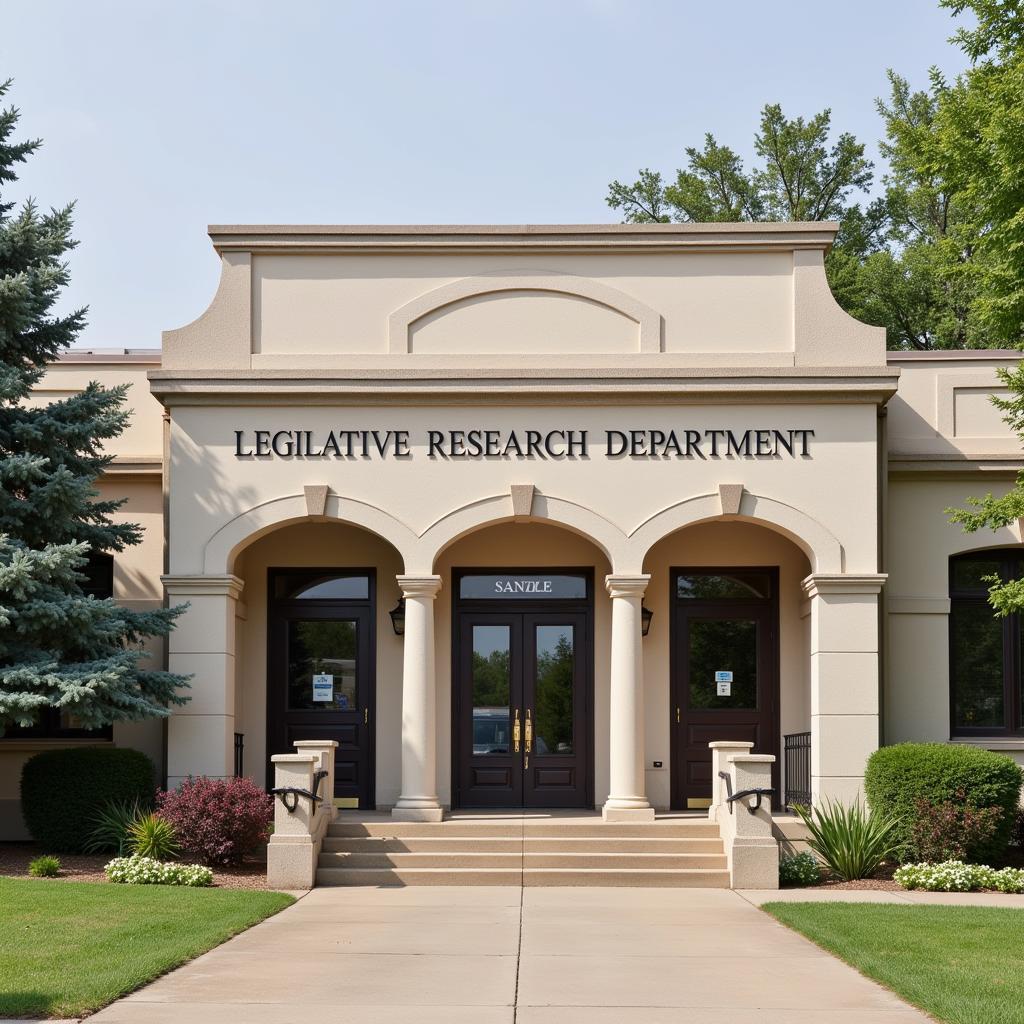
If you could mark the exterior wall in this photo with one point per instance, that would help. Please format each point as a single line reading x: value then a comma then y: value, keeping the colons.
x: 947, y: 443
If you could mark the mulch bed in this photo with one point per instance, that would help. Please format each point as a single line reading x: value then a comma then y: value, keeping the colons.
x: 85, y: 867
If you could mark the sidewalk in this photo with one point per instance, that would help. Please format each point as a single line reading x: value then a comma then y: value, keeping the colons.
x: 532, y: 956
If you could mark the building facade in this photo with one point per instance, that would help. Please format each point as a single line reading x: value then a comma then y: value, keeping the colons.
x: 527, y: 516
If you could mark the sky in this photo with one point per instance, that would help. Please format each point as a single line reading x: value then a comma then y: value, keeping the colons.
x: 161, y: 118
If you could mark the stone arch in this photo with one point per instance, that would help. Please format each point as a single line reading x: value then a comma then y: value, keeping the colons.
x: 496, y: 509
x: 222, y: 549
x: 823, y: 550
x: 648, y: 320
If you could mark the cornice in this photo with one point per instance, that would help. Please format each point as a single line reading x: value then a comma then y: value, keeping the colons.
x: 376, y: 238
x: 557, y: 385
x: 822, y: 583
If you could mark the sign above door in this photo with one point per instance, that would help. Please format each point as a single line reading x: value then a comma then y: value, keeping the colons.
x: 523, y: 586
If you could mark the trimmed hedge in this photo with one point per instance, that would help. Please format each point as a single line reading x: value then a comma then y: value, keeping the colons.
x: 62, y: 791
x: 896, y: 777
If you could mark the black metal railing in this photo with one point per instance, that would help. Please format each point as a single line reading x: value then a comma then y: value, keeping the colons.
x: 797, y: 752
x: 239, y: 753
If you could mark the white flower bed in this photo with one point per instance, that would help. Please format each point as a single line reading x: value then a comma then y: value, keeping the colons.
x: 147, y: 871
x: 956, y: 876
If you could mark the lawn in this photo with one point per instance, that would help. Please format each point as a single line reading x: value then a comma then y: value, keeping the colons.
x: 960, y: 964
x: 67, y: 948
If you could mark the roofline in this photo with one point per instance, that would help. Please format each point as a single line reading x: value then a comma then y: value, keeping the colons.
x: 955, y: 355
x: 741, y: 236
x: 110, y: 355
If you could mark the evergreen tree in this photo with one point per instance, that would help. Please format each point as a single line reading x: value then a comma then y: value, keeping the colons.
x: 59, y: 648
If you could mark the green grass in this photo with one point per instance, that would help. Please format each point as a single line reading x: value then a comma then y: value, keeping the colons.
x: 67, y: 948
x: 960, y: 964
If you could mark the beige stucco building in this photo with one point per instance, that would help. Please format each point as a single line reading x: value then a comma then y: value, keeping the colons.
x: 526, y: 516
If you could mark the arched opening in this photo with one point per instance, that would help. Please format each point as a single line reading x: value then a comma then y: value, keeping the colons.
x: 522, y: 647
x: 727, y: 655
x: 316, y: 655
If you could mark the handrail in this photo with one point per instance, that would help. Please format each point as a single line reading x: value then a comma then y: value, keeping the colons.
x: 730, y: 796
x: 284, y: 792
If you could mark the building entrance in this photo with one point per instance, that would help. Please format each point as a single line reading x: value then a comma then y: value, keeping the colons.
x: 522, y: 699
x: 321, y: 678
x: 725, y: 678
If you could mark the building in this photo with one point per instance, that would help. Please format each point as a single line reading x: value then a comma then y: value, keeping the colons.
x: 526, y: 516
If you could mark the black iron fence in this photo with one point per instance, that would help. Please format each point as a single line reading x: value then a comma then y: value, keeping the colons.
x: 239, y: 752
x: 797, y: 753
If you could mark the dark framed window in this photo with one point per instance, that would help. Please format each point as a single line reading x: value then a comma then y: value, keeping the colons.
x: 62, y: 725
x: 985, y: 654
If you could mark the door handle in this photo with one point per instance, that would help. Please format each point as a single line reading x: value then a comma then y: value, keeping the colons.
x: 529, y: 732
x: 515, y: 733
x: 677, y: 716
x: 366, y: 716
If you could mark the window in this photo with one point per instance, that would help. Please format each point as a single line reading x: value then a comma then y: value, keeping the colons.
x: 985, y: 654
x: 54, y: 724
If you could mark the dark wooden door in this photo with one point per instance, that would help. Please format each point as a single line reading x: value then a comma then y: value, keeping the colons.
x: 724, y: 673
x: 522, y: 709
x: 321, y: 686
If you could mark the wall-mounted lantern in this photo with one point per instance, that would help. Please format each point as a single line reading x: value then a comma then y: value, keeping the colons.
x: 398, y: 617
x: 645, y: 619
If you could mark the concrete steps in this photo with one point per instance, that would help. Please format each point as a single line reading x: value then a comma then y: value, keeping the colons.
x: 683, y: 853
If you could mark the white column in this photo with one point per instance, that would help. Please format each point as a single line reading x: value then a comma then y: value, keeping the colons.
x: 844, y: 681
x: 200, y: 734
x: 627, y: 800
x: 418, y: 801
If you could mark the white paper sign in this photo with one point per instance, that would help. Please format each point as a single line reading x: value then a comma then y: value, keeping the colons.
x: 723, y: 683
x: 323, y: 688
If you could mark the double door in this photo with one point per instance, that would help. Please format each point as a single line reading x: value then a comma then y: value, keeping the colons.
x: 522, y: 709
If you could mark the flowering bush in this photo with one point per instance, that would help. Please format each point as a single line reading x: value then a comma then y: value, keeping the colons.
x: 947, y: 830
x: 799, y: 869
x: 146, y: 871
x: 956, y: 876
x: 217, y: 821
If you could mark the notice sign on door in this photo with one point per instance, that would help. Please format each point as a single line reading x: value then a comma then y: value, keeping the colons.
x: 323, y: 688
x: 723, y: 684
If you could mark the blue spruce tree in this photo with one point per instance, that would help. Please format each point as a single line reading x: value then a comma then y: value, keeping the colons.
x: 59, y: 647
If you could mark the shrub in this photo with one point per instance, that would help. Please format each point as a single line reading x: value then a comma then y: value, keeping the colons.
x: 944, y: 832
x: 799, y: 869
x: 147, y: 871
x: 63, y: 791
x: 45, y: 867
x: 110, y: 831
x: 956, y: 876
x: 850, y: 840
x: 896, y: 777
x: 218, y: 821
x: 152, y: 836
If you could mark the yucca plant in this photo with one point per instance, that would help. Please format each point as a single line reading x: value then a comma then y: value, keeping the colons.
x: 110, y: 834
x: 852, y: 841
x: 153, y: 836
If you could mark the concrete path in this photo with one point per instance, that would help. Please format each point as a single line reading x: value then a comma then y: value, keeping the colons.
x: 422, y: 955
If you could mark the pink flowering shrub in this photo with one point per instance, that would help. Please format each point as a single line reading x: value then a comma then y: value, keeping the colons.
x: 217, y: 821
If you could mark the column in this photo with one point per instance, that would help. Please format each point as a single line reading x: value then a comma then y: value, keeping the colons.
x: 844, y: 681
x: 627, y: 800
x: 418, y: 801
x: 200, y: 734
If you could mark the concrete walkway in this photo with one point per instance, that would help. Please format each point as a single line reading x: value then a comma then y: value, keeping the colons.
x: 423, y: 955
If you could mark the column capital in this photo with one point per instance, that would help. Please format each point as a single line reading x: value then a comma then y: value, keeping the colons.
x: 627, y: 585
x: 419, y: 586
x: 822, y: 583
x: 193, y: 585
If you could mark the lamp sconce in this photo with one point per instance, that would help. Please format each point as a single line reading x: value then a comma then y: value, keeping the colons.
x: 398, y: 617
x: 645, y: 619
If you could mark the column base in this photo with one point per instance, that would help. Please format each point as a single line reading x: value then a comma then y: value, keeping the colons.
x: 417, y: 812
x: 627, y: 814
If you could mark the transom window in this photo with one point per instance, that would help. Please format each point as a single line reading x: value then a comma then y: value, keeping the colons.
x: 319, y: 586
x: 985, y: 652
x: 734, y: 586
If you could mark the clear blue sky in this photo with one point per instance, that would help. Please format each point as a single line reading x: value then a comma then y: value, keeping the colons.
x: 160, y: 118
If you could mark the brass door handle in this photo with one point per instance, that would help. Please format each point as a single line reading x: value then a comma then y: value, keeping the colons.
x: 677, y: 716
x: 366, y: 716
x: 529, y: 731
x: 515, y: 733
